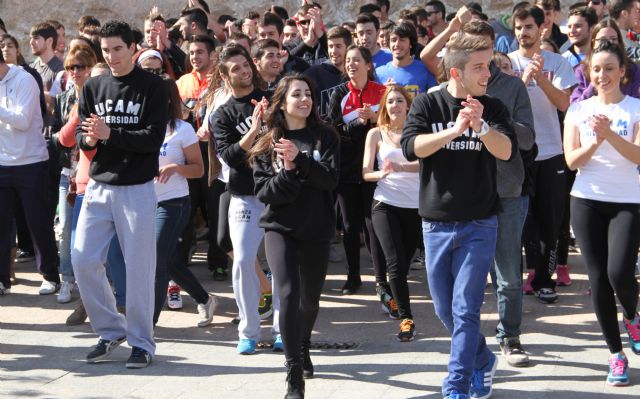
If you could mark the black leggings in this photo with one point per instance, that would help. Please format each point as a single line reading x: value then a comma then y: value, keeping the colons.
x: 355, y: 206
x: 608, y: 236
x: 542, y: 227
x: 299, y: 269
x: 398, y: 231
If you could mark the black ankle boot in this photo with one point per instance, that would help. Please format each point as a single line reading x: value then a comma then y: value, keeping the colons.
x: 295, y: 381
x: 307, y: 366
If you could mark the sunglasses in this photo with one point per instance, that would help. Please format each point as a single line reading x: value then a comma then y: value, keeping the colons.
x: 155, y: 71
x: 304, y: 21
x: 75, y: 67
x: 596, y: 2
x: 430, y: 13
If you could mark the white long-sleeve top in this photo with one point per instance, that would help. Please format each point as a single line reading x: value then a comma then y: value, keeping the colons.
x: 21, y: 139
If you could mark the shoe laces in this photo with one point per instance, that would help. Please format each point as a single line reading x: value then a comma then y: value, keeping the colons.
x: 138, y: 352
x: 174, y: 292
x: 618, y: 365
x: 633, y: 327
x: 405, y: 325
x: 393, y: 305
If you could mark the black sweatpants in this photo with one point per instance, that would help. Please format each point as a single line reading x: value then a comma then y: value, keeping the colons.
x: 215, y: 254
x: 355, y: 206
x: 608, y: 234
x: 398, y: 231
x: 565, y: 229
x: 299, y: 269
x: 542, y: 227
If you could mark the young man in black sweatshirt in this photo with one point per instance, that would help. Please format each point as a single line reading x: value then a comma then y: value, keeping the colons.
x: 121, y: 118
x: 457, y: 133
x: 235, y: 126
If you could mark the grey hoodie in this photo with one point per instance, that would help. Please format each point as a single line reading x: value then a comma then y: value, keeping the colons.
x: 513, y: 93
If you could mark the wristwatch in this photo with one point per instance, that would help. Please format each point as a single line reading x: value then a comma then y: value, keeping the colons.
x: 484, y: 129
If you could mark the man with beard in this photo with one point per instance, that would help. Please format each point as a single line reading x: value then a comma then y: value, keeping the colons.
x: 549, y: 80
x: 330, y: 73
x: 266, y: 56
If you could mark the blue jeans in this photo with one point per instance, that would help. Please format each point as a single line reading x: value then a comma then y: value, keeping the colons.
x: 115, y: 259
x: 506, y: 273
x: 458, y: 257
x: 172, y: 217
x: 65, y: 214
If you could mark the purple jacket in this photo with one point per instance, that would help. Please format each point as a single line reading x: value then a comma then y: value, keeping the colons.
x: 584, y: 89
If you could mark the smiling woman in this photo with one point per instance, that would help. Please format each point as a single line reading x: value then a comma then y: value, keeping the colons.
x: 295, y: 169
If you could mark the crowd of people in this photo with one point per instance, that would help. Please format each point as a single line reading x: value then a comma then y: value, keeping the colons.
x: 281, y: 134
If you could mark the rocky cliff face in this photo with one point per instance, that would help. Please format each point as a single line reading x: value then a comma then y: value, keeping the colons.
x: 20, y: 15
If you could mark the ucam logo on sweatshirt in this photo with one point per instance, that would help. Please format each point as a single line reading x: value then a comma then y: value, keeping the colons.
x: 106, y: 110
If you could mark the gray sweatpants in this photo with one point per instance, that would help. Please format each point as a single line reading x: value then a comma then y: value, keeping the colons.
x: 129, y: 211
x: 246, y: 235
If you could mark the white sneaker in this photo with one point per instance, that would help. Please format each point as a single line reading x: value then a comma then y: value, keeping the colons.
x: 206, y: 311
x: 4, y: 290
x: 48, y: 287
x: 66, y: 290
x: 174, y: 299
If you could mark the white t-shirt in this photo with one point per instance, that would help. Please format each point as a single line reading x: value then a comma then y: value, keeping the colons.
x: 172, y: 152
x: 399, y: 189
x: 607, y: 176
x: 545, y: 114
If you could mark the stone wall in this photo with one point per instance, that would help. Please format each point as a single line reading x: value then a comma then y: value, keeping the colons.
x: 20, y: 15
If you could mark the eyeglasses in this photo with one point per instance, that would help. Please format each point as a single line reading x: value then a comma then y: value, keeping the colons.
x: 304, y: 21
x: 155, y: 71
x: 75, y: 67
x: 613, y: 40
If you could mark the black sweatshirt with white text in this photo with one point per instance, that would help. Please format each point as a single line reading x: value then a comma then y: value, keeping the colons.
x: 135, y: 108
x: 300, y: 202
x: 458, y: 181
x: 230, y: 122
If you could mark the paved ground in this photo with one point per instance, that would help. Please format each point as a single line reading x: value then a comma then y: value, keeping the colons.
x: 40, y: 357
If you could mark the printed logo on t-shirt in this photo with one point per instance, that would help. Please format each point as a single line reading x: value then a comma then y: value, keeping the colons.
x: 108, y: 107
x: 620, y: 127
x: 472, y: 143
x: 244, y: 126
x: 242, y: 215
x: 413, y: 90
x: 163, y: 150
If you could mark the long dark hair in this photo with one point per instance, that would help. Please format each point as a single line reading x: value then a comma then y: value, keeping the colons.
x: 174, y: 108
x: 274, y: 119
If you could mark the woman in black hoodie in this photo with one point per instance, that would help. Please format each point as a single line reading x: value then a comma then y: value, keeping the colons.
x: 295, y: 169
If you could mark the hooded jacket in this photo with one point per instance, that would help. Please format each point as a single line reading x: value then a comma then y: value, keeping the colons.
x: 21, y: 139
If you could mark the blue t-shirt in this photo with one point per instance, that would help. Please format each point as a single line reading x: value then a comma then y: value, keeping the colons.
x: 415, y: 77
x: 382, y: 57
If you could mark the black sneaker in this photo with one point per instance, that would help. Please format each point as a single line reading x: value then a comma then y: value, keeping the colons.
x: 546, y: 295
x: 139, y: 358
x: 220, y: 274
x: 513, y: 353
x: 24, y: 256
x: 307, y: 365
x: 103, y: 349
x: 352, y: 285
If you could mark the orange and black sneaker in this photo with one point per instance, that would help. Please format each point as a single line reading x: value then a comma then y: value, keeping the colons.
x: 390, y: 306
x: 407, y: 331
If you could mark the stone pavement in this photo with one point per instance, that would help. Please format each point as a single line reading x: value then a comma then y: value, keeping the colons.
x: 40, y: 357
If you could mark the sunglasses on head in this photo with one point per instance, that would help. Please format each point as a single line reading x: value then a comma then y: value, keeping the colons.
x: 75, y: 67
x: 155, y: 71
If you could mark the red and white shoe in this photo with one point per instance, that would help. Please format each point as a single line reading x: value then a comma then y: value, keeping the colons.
x: 174, y: 299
